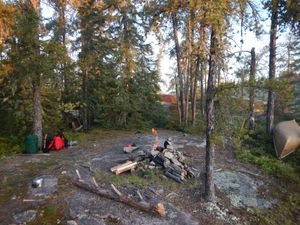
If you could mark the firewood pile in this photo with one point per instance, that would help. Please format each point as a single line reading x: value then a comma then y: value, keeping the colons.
x: 172, y: 161
x: 166, y: 157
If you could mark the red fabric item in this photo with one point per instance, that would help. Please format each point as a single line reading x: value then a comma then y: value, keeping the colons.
x: 168, y: 98
x: 57, y: 143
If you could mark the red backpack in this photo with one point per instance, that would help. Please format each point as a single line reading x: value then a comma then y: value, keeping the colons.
x: 57, y: 143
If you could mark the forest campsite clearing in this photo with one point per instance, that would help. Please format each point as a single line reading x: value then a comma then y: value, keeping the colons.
x: 219, y: 79
x: 245, y: 194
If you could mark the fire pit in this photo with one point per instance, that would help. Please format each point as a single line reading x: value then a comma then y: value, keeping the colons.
x: 165, y: 157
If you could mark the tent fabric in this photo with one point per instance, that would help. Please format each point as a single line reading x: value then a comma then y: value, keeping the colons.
x: 286, y: 138
x: 168, y: 98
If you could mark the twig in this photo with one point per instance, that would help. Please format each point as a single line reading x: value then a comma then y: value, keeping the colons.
x: 140, y: 196
x: 78, y: 174
x: 116, y: 190
x: 95, y: 182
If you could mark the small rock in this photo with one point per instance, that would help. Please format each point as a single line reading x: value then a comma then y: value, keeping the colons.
x: 152, y: 163
x: 64, y: 172
x: 14, y: 197
x: 72, y: 222
x: 25, y: 217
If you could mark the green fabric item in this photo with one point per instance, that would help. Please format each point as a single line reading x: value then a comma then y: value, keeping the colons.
x: 31, y: 144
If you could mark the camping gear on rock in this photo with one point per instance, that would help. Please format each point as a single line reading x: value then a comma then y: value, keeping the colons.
x: 57, y: 143
x: 47, y: 141
x: 286, y: 138
x: 72, y: 143
x: 37, y: 182
x: 31, y: 144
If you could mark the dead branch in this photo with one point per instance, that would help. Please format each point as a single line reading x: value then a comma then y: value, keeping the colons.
x: 157, y: 208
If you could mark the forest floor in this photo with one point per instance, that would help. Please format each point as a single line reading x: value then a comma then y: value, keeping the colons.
x: 243, y: 191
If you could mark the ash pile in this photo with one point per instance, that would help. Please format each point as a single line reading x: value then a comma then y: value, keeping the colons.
x: 166, y: 157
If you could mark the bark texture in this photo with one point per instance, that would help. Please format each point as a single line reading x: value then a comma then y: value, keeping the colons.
x: 179, y: 71
x: 36, y: 87
x: 194, y: 105
x: 37, y: 110
x: 210, y: 146
x: 252, y: 90
x: 272, y: 65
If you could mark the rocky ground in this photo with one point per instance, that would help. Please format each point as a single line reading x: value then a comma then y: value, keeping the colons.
x: 240, y: 189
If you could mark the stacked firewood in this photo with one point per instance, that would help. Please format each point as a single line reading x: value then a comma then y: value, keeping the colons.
x: 172, y: 161
x: 167, y: 157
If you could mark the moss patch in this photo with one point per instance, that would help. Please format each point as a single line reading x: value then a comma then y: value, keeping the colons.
x: 50, y: 214
x: 12, y: 185
x: 32, y: 166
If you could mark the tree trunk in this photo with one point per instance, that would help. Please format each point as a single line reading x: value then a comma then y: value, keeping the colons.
x: 36, y: 86
x: 242, y: 85
x: 272, y: 66
x: 210, y: 146
x: 37, y: 109
x: 85, y: 100
x: 178, y: 56
x: 189, y: 79
x: 87, y: 32
x: 289, y: 47
x: 252, y: 90
x: 194, y: 93
x: 177, y: 100
x: 202, y: 88
x: 63, y: 32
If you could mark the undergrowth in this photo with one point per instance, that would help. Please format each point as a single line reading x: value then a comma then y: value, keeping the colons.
x: 257, y: 148
x: 11, y: 145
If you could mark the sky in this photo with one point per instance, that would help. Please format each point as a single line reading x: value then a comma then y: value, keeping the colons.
x: 168, y: 65
x: 250, y: 41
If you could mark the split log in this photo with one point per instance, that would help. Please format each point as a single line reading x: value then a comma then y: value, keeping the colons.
x: 125, y: 168
x: 159, y: 160
x: 174, y: 177
x: 130, y: 165
x: 116, y: 195
x: 113, y: 169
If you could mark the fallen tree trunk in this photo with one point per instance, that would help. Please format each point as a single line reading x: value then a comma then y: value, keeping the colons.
x: 116, y: 195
